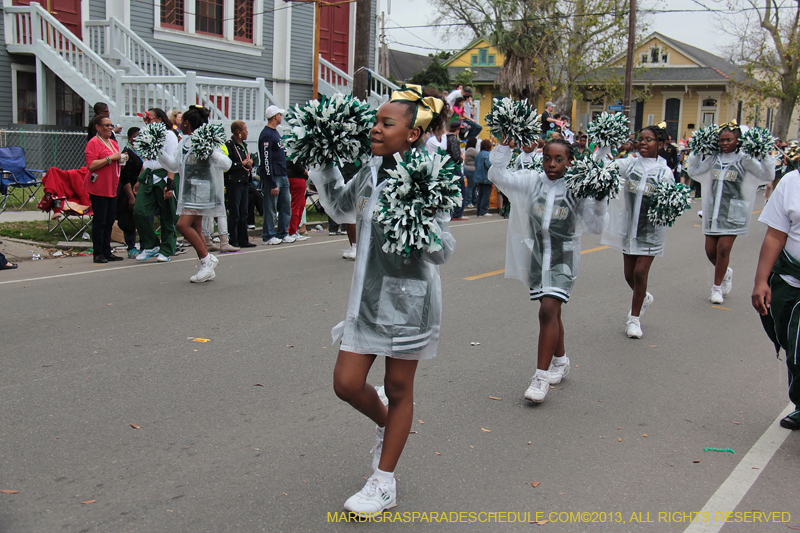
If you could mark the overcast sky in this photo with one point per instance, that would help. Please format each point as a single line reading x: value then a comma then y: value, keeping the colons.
x: 697, y: 29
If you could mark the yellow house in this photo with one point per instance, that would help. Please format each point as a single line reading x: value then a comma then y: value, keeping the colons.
x: 677, y: 83
x: 484, y: 62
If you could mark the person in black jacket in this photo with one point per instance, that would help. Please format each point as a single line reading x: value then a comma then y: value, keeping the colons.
x: 454, y: 151
x: 237, y: 182
x: 125, y: 197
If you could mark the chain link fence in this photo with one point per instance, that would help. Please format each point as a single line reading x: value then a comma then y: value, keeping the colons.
x: 47, y: 147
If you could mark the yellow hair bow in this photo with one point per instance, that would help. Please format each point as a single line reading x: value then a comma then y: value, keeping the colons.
x: 732, y: 125
x: 662, y: 125
x: 427, y: 108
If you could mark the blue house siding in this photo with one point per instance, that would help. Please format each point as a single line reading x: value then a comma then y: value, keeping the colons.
x: 210, y: 62
x: 97, y: 9
x: 6, y: 112
x: 301, y: 66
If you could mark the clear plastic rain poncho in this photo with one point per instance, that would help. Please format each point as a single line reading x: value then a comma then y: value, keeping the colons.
x: 202, y: 184
x: 395, y: 306
x: 543, y: 243
x: 729, y: 183
x: 629, y: 229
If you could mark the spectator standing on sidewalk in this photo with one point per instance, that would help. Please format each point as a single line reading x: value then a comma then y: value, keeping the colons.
x: 454, y: 151
x: 298, y: 177
x: 237, y: 182
x: 274, y: 180
x: 102, y: 177
x: 471, y: 194
x: 126, y: 200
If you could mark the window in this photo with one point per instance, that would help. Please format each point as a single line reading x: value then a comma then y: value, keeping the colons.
x: 709, y: 102
x: 491, y: 59
x: 208, y: 18
x: 474, y: 59
x: 172, y: 14
x: 644, y: 58
x: 664, y: 58
x: 26, y: 97
x: 654, y: 55
x: 69, y: 105
x: 483, y: 57
x: 243, y: 20
x: 708, y: 118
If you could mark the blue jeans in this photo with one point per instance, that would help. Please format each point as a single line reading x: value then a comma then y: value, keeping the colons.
x: 282, y: 204
x: 484, y: 192
x: 469, y: 190
x: 474, y: 128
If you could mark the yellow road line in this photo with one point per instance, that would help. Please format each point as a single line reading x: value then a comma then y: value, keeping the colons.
x: 590, y: 250
x: 496, y: 272
x: 757, y: 212
x: 488, y: 274
x: 720, y: 307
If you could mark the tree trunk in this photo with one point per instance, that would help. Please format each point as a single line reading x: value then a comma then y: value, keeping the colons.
x: 783, y: 118
x: 362, y: 46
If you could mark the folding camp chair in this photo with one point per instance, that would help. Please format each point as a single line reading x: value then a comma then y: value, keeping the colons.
x: 67, y: 201
x: 18, y: 184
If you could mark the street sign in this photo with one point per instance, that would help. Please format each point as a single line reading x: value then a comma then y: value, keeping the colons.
x: 615, y: 108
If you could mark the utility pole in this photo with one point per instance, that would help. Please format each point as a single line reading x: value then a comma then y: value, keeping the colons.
x: 384, y: 70
x: 362, y: 46
x: 626, y: 102
x: 315, y: 71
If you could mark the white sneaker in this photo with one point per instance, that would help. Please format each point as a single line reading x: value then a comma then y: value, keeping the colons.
x: 350, y: 253
x: 716, y: 295
x: 251, y: 226
x: 373, y: 499
x: 558, y: 372
x: 162, y: 258
x: 700, y: 214
x: 206, y: 272
x: 147, y: 254
x: 273, y: 241
x: 634, y: 329
x: 487, y: 215
x: 379, y: 432
x: 540, y: 384
x: 288, y: 239
x: 647, y: 302
x: 298, y: 237
x: 727, y: 282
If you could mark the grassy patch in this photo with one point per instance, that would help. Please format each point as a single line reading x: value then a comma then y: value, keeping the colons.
x: 30, y: 231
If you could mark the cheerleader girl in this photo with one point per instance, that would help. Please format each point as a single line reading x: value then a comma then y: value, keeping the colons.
x: 728, y: 181
x: 200, y: 190
x: 395, y: 302
x: 629, y: 229
x: 543, y: 246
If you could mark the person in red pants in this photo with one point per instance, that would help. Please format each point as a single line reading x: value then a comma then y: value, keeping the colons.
x: 298, y: 176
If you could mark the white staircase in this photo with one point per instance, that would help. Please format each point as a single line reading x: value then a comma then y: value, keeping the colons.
x: 334, y: 80
x: 118, y: 67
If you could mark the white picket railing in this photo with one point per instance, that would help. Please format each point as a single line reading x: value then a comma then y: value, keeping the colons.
x: 339, y: 80
x: 379, y: 86
x: 113, y: 40
x: 28, y: 28
x: 333, y: 79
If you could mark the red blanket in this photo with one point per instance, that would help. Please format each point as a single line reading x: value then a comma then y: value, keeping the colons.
x: 67, y: 184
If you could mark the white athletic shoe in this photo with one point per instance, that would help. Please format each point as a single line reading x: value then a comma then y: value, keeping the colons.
x: 350, y: 253
x: 273, y: 241
x: 147, y: 254
x: 161, y: 258
x: 558, y: 372
x: 540, y: 384
x: 716, y: 295
x: 700, y: 214
x: 634, y: 327
x: 298, y: 237
x: 727, y: 282
x: 647, y: 302
x: 379, y: 431
x: 206, y: 272
x: 288, y: 239
x: 373, y: 499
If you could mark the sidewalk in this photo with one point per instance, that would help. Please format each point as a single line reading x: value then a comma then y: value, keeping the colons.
x: 22, y: 216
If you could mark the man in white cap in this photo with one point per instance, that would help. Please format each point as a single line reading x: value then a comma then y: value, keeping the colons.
x: 274, y: 180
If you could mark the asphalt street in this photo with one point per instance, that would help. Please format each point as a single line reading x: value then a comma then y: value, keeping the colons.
x: 114, y: 419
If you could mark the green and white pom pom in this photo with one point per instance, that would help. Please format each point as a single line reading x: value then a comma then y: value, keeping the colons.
x: 587, y: 178
x: 420, y: 185
x: 609, y: 130
x: 514, y: 119
x: 757, y: 142
x: 667, y: 203
x: 705, y: 141
x: 534, y: 164
x: 205, y: 139
x: 150, y: 141
x: 332, y: 130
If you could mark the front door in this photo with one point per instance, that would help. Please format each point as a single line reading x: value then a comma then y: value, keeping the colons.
x: 67, y: 12
x: 334, y: 34
x: 672, y: 116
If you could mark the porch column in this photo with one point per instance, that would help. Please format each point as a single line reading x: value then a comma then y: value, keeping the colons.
x: 41, y: 92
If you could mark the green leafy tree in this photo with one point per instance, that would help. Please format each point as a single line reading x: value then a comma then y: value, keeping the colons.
x: 435, y: 74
